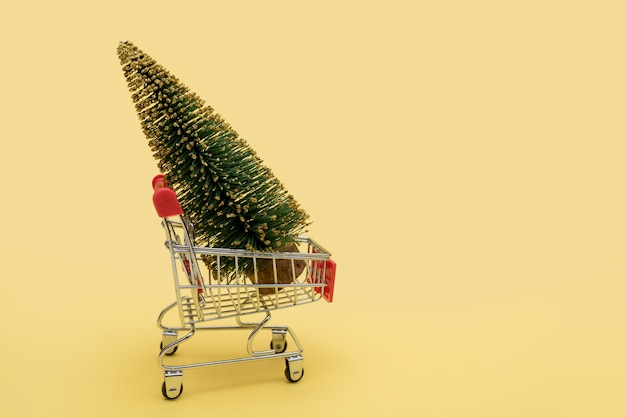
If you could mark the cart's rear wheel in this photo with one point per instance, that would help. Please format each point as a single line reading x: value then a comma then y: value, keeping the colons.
x: 175, y: 393
x: 172, y: 351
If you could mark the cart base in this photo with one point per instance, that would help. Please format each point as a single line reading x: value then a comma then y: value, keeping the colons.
x: 172, y: 386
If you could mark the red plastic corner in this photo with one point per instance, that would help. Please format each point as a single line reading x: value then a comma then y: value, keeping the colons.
x: 328, y: 269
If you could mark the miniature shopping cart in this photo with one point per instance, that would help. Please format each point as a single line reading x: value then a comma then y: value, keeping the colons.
x: 204, y: 293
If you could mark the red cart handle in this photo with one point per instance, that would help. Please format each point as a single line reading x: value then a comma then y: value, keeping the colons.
x: 164, y: 199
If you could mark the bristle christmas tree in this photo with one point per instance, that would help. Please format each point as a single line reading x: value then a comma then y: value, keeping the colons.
x: 232, y: 198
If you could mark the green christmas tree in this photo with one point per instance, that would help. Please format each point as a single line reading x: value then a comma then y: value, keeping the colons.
x: 232, y: 198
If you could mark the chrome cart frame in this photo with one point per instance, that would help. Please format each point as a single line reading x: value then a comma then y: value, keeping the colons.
x: 205, y: 293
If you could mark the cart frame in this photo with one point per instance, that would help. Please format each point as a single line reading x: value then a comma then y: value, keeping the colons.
x: 205, y: 294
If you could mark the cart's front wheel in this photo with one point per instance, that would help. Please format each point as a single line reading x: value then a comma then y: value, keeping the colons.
x: 294, y: 378
x: 171, y: 393
x: 280, y: 347
x: 294, y: 370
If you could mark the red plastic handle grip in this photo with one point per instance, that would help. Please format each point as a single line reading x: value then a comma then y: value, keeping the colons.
x: 164, y: 199
x: 159, y: 181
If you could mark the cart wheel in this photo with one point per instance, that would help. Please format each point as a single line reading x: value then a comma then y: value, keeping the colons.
x: 294, y: 370
x: 279, y: 348
x: 172, y: 351
x: 174, y: 393
x: 291, y: 378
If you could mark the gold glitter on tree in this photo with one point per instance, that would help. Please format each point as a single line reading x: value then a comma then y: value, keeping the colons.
x: 233, y: 200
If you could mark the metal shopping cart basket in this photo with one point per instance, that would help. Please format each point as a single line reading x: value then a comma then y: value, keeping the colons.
x: 204, y: 294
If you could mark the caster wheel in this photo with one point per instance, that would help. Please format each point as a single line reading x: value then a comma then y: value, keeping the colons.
x: 172, y: 351
x: 172, y: 394
x: 294, y: 370
x: 296, y: 378
x: 279, y: 349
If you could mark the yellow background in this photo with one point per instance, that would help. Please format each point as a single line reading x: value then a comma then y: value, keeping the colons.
x: 463, y: 162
